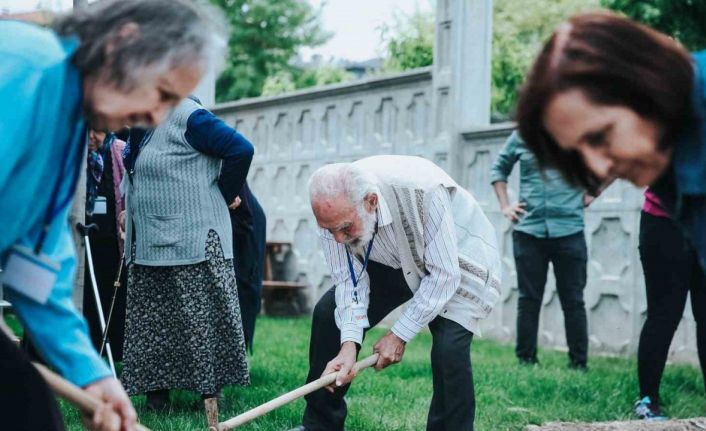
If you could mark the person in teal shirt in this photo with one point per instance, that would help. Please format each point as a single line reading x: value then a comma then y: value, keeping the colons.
x: 112, y: 64
x: 548, y: 227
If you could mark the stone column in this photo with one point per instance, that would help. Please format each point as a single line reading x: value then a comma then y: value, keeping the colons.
x: 462, y: 53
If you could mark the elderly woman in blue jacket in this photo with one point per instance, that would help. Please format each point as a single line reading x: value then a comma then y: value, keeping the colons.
x: 112, y: 64
x: 610, y: 98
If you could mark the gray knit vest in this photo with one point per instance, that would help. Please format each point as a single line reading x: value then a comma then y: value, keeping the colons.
x: 173, y: 199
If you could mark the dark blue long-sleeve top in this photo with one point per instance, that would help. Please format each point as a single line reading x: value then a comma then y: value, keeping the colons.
x: 211, y: 135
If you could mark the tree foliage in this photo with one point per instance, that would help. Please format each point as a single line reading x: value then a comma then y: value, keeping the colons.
x: 519, y: 31
x: 408, y: 41
x: 265, y: 35
x: 295, y: 79
x: 685, y: 20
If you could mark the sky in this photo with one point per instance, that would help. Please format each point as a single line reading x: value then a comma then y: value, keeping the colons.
x: 354, y: 23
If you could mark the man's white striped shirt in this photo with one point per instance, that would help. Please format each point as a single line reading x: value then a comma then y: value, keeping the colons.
x: 443, y: 275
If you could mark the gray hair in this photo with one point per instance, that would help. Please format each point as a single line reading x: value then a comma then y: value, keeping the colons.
x: 171, y: 33
x: 334, y: 180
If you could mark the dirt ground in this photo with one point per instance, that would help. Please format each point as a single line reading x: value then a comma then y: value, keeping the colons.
x: 695, y: 424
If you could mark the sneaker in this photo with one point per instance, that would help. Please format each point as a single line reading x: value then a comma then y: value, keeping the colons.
x: 646, y: 410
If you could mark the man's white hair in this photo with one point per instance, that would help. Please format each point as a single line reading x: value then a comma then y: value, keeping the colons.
x: 337, y: 179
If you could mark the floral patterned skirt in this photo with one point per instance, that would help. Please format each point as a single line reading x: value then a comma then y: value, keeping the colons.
x: 183, y: 328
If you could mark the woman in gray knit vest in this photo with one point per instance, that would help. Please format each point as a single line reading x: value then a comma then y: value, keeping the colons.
x: 183, y: 324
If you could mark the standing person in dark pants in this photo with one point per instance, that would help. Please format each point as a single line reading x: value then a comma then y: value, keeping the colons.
x: 249, y: 236
x: 672, y: 271
x: 548, y: 228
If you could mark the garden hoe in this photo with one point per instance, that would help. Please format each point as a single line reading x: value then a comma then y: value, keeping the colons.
x: 287, y: 398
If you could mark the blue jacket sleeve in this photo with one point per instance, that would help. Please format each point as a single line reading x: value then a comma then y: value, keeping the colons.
x: 211, y: 135
x: 56, y: 328
x: 507, y: 157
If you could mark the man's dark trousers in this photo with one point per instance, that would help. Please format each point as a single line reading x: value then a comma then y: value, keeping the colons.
x: 568, y: 256
x: 453, y: 403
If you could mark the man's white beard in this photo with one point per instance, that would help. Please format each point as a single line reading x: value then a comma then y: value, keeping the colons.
x: 359, y: 245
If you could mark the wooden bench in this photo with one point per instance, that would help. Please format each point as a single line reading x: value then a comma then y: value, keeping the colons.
x: 284, y: 298
x: 281, y: 297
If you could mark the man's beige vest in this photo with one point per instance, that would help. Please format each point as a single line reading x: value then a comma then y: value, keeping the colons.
x: 405, y: 183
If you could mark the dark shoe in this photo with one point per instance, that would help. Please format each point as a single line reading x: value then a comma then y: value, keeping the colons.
x: 157, y: 400
x: 645, y: 409
x: 528, y: 361
x: 578, y: 366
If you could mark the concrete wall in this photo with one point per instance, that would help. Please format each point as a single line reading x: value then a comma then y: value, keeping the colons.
x: 441, y: 113
x: 297, y: 133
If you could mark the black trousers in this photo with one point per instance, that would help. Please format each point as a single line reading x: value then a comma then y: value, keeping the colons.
x: 671, y: 271
x: 249, y: 231
x: 568, y: 255
x: 453, y: 402
x: 26, y: 402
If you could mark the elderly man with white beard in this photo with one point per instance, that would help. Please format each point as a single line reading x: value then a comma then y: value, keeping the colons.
x: 395, y: 229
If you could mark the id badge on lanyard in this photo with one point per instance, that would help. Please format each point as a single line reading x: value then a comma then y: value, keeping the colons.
x: 360, y: 311
x: 30, y: 274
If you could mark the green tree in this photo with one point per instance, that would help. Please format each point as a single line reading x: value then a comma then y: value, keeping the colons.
x: 519, y: 32
x: 685, y: 20
x: 295, y: 79
x: 408, y: 41
x: 278, y: 83
x: 265, y: 36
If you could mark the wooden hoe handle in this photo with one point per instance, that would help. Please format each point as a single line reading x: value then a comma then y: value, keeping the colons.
x: 291, y: 396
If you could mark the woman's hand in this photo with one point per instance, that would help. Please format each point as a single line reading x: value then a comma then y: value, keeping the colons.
x: 235, y: 204
x: 117, y: 412
x: 121, y: 224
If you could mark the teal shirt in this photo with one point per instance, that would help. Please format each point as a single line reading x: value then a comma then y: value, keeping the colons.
x: 554, y: 208
x: 42, y: 135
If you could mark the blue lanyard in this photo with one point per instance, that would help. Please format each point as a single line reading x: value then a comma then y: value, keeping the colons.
x: 355, y: 279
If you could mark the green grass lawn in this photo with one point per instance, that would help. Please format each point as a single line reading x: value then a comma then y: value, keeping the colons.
x: 508, y: 396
